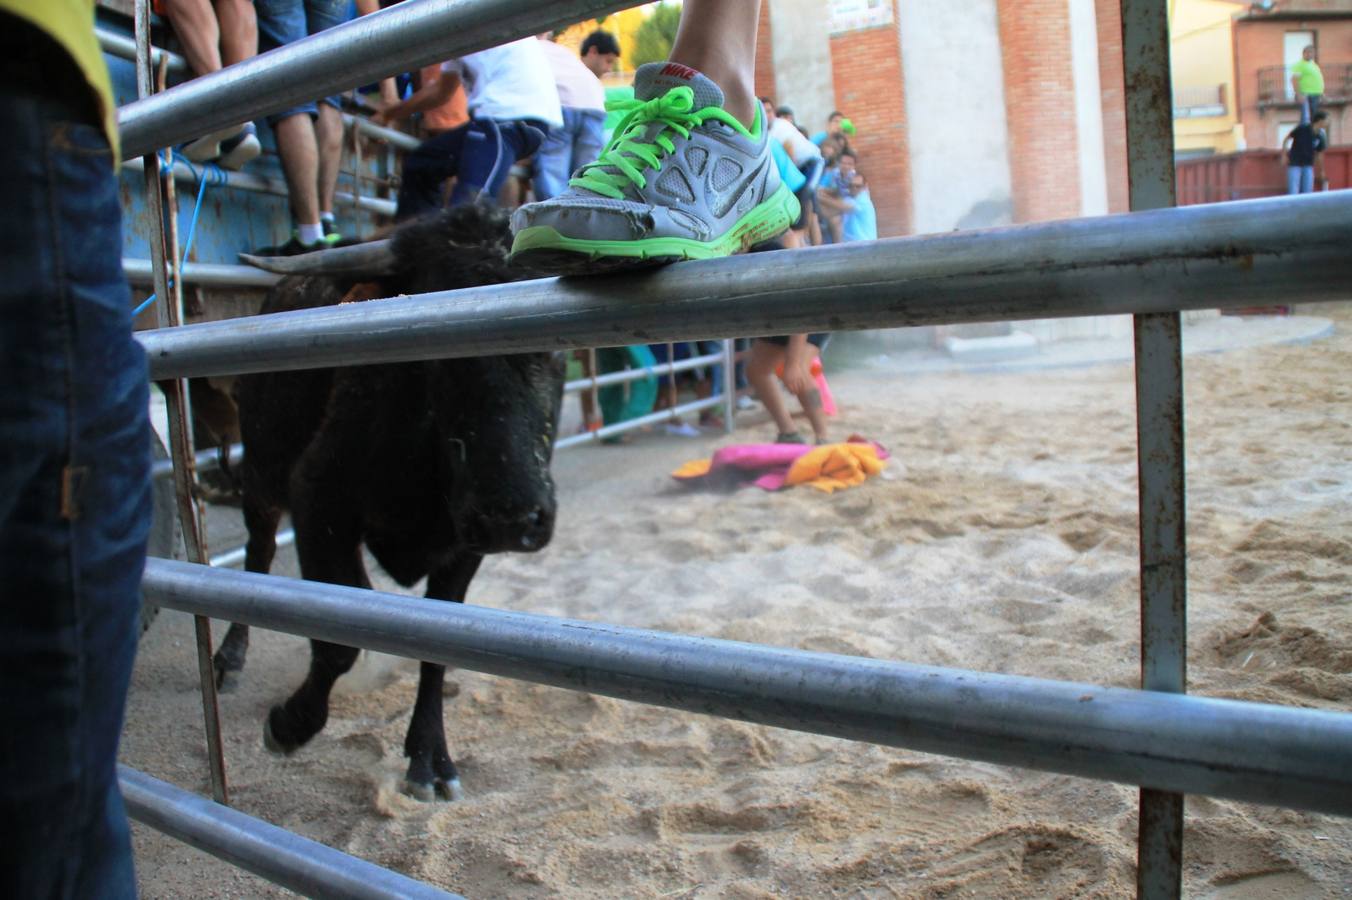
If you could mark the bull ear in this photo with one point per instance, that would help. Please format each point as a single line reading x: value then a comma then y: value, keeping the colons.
x: 370, y: 260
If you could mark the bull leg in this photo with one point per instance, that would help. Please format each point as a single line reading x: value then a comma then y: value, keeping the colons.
x: 431, y: 772
x: 330, y: 551
x: 258, y: 554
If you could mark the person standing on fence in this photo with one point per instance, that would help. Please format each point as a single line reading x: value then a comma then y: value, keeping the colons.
x: 309, y: 135
x: 214, y: 36
x: 580, y: 140
x: 75, y: 501
x: 1304, y: 147
x: 688, y: 174
x: 1307, y: 82
x: 512, y: 105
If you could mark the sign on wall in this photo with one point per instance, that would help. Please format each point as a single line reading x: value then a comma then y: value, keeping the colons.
x: 849, y: 15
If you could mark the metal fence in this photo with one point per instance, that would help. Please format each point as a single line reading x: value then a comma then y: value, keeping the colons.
x: 1151, y: 264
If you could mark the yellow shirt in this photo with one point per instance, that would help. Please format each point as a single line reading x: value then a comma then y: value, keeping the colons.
x: 71, y: 24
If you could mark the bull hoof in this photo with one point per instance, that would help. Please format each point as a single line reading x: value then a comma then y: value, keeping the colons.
x: 227, y: 681
x: 441, y: 789
x: 227, y: 673
x: 272, y: 741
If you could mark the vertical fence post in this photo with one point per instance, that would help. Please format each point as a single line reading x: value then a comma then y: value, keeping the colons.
x: 164, y: 261
x: 729, y: 384
x: 1159, y: 424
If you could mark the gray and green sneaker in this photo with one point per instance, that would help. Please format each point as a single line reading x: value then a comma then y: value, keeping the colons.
x: 680, y: 179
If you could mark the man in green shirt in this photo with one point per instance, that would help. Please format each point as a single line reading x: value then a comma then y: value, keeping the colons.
x: 1307, y: 81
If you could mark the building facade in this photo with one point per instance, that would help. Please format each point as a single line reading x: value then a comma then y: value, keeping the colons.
x: 970, y: 113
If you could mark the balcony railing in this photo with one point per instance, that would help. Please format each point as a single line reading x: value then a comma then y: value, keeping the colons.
x: 1199, y: 101
x: 1274, y: 85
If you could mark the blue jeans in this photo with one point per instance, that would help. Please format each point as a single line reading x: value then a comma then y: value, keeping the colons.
x: 479, y: 154
x: 1300, y: 179
x: 281, y: 22
x: 566, y: 149
x: 75, y: 502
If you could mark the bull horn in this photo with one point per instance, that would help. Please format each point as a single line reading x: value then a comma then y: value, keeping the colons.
x: 369, y: 260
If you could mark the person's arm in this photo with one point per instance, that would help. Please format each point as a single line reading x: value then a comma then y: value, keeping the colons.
x: 832, y: 203
x: 798, y: 365
x: 389, y: 93
x: 429, y: 96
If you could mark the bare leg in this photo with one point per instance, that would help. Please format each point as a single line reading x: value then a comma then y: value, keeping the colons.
x: 239, y: 30
x: 300, y: 160
x: 329, y: 136
x: 195, y: 24
x: 718, y: 37
x: 760, y: 371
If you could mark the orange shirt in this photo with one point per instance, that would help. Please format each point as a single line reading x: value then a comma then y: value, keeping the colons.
x: 451, y: 114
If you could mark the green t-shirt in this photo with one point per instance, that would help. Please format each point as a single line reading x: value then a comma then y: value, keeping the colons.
x: 1311, y: 79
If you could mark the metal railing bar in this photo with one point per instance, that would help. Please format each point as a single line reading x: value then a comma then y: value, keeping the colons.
x: 1221, y: 255
x: 124, y: 47
x: 247, y: 181
x: 140, y: 271
x: 1253, y: 752
x: 398, y: 39
x: 296, y: 863
x: 639, y: 373
x: 1159, y: 416
x: 381, y: 133
x: 665, y: 415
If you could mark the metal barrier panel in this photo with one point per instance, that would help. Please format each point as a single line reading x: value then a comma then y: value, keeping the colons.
x: 1298, y: 758
x: 1196, y: 257
x: 296, y: 863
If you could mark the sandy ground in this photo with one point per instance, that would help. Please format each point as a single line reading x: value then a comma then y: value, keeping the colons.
x: 1002, y: 538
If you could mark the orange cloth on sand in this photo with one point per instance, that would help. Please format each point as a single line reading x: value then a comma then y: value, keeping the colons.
x: 696, y: 468
x: 832, y: 467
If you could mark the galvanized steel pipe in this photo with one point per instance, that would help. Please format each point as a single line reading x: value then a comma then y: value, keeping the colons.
x: 141, y: 271
x: 1219, y: 255
x: 299, y: 864
x: 247, y: 181
x: 366, y: 49
x: 1298, y: 758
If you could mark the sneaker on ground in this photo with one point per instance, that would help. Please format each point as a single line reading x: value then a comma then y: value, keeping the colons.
x: 240, y: 150
x: 681, y: 179
x: 208, y: 146
x: 293, y: 247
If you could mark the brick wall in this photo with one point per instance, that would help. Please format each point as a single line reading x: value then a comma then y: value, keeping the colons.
x: 1040, y: 109
x: 765, y: 54
x: 866, y: 69
x: 1258, y: 45
x: 1108, y: 15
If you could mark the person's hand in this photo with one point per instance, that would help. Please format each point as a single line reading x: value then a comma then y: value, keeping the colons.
x: 798, y: 376
x: 383, y: 113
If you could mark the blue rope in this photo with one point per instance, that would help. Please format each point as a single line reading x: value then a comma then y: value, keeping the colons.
x: 214, y: 175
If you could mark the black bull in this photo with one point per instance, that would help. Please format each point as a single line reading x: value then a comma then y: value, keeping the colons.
x: 431, y: 465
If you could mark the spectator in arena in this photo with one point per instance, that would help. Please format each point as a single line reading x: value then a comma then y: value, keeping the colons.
x: 512, y: 105
x: 1307, y: 82
x: 829, y: 194
x: 835, y: 140
x: 583, y: 101
x: 1304, y: 148
x: 309, y: 135
x: 807, y: 157
x: 75, y: 495
x: 795, y: 354
x: 215, y: 35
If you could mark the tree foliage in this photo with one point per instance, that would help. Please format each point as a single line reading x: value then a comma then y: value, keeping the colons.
x: 653, y: 40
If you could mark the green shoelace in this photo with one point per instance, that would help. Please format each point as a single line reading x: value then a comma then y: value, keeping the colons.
x: 631, y: 151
